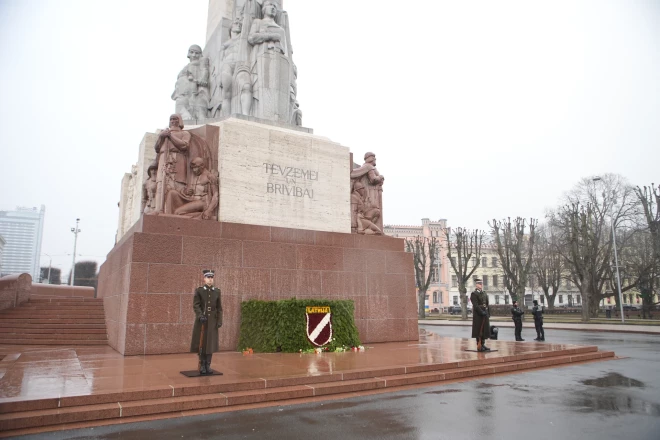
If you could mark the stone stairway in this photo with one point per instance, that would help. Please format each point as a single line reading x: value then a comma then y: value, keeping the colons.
x: 22, y: 417
x: 54, y: 321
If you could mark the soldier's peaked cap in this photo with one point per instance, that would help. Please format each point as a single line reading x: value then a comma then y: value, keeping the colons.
x: 208, y: 273
x: 478, y: 280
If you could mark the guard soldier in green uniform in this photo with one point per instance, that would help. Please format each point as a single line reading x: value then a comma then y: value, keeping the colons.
x: 208, y: 319
x: 480, y: 316
x: 537, y: 311
x: 516, y: 315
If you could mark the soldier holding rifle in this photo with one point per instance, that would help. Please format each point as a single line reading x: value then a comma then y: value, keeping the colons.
x: 208, y: 319
x: 480, y: 316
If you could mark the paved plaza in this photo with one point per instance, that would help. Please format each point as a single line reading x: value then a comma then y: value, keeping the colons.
x: 601, y: 400
x: 96, y: 385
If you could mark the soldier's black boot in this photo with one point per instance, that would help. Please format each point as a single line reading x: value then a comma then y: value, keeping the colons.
x: 202, y: 364
x: 208, y: 364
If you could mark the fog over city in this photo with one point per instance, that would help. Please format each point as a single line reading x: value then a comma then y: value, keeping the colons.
x: 475, y: 110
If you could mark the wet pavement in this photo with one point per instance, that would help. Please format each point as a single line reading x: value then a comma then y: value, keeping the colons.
x: 602, y: 400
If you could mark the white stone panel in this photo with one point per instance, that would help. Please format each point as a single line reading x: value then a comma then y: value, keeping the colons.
x: 274, y: 176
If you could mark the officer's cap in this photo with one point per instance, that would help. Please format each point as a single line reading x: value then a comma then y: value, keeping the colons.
x: 478, y: 280
x: 208, y: 273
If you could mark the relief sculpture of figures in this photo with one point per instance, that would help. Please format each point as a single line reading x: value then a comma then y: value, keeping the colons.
x: 200, y: 198
x: 367, y: 198
x: 184, y: 173
x: 149, y: 190
x: 255, y: 74
x: 364, y: 214
x: 241, y: 85
x: 191, y: 91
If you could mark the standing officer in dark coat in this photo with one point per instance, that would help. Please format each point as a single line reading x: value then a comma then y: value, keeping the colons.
x: 537, y: 311
x: 208, y: 317
x: 517, y: 314
x: 480, y: 316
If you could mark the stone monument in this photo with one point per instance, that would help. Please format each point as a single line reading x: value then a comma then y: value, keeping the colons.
x: 248, y: 70
x: 236, y: 184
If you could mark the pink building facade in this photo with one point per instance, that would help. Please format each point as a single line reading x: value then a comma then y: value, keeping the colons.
x: 437, y: 295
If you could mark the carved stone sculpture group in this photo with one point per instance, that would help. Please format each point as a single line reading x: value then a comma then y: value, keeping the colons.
x: 183, y: 181
x: 252, y: 73
x: 255, y: 77
x: 367, y: 198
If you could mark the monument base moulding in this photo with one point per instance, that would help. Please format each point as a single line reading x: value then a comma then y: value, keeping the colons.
x: 148, y: 279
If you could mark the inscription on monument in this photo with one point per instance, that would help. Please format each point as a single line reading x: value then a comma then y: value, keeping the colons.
x: 290, y: 175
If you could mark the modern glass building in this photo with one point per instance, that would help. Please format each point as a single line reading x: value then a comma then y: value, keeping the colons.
x: 22, y: 231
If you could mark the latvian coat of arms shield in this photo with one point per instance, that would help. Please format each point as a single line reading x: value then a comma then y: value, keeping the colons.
x: 319, y: 325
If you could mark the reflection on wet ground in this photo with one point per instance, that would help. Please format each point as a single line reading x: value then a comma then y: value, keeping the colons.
x: 612, y: 400
x: 614, y: 380
x: 443, y: 391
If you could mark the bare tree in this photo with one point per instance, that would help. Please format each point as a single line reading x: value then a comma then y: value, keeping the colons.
x: 585, y: 240
x: 649, y: 197
x: 547, y: 264
x: 515, y: 248
x: 639, y: 268
x: 424, y: 249
x: 465, y: 245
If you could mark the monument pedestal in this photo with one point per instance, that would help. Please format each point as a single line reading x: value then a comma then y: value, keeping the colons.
x: 148, y: 280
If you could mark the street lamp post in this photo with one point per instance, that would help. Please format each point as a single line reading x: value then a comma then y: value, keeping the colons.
x: 75, y: 243
x: 616, y: 262
x: 50, y: 265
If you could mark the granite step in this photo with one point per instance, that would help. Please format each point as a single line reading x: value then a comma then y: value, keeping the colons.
x: 57, y: 307
x: 60, y: 299
x: 42, y: 320
x: 69, y: 342
x: 50, y: 326
x: 53, y: 314
x: 79, y: 334
x: 176, y: 401
x: 41, y: 330
x: 41, y: 315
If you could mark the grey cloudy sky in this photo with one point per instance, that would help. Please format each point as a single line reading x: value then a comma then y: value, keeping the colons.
x: 475, y: 109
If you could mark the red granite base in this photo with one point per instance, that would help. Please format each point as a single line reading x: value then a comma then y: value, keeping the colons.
x: 148, y: 279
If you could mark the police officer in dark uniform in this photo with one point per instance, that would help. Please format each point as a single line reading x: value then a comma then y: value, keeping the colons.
x: 480, y: 316
x: 537, y: 311
x: 208, y: 319
x: 517, y: 314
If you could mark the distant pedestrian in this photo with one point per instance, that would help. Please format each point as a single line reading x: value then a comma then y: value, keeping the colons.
x: 517, y: 314
x: 537, y: 311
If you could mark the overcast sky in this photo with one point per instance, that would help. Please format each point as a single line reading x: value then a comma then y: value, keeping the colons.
x: 475, y: 109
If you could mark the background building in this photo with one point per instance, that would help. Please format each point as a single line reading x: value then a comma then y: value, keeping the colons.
x: 22, y: 231
x: 2, y: 248
x: 437, y: 295
x: 491, y: 272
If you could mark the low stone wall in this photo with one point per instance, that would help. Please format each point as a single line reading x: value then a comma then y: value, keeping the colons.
x: 62, y: 290
x: 14, y: 290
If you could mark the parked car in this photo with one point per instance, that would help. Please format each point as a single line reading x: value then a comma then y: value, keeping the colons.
x: 456, y: 310
x: 629, y: 308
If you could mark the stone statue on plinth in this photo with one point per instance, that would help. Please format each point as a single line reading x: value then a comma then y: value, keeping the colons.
x: 149, y: 190
x: 178, y: 153
x: 191, y: 92
x: 200, y: 198
x: 367, y: 198
x: 364, y: 213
